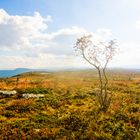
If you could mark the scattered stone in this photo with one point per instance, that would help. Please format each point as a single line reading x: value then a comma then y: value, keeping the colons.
x: 7, y: 93
x: 27, y: 95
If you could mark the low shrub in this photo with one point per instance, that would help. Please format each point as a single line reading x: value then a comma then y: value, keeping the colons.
x: 21, y: 105
x: 74, y: 122
x: 37, y: 90
x: 134, y: 108
x: 50, y: 100
x: 43, y: 121
x: 9, y: 113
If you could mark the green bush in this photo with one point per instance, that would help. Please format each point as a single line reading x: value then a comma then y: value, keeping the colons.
x: 9, y: 113
x: 134, y: 108
x: 50, y: 100
x: 43, y: 121
x: 74, y: 122
x: 37, y: 90
x: 21, y: 105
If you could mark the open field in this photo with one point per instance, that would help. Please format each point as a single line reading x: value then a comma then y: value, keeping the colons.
x: 69, y: 108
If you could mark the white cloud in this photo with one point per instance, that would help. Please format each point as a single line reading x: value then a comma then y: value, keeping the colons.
x: 25, y: 42
x: 42, y: 61
x: 28, y: 43
x: 16, y: 32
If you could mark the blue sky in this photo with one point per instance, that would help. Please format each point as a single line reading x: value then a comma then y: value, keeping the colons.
x: 58, y: 23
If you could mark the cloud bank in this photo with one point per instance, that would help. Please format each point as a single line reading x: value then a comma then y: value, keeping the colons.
x: 26, y: 42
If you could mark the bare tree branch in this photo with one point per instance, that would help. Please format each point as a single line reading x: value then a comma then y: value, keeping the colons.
x: 98, y: 55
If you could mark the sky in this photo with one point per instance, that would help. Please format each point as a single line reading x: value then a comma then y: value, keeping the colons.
x: 42, y: 33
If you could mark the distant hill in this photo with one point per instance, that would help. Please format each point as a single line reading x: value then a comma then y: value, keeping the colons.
x: 9, y: 73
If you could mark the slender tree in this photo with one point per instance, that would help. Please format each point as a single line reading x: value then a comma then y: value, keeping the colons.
x: 98, y: 54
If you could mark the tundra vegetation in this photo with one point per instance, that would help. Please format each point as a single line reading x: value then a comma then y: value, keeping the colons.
x: 69, y: 109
